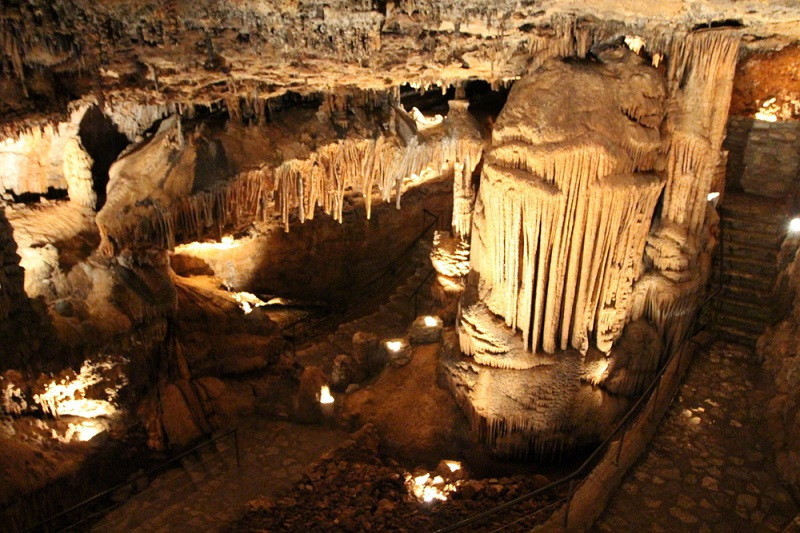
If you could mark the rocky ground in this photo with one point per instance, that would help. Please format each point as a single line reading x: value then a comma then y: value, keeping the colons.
x: 356, y: 488
x: 709, y: 468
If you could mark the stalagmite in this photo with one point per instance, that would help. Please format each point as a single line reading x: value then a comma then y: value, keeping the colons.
x: 563, y: 255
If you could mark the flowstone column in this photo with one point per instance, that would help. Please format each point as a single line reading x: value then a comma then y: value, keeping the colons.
x: 566, y: 201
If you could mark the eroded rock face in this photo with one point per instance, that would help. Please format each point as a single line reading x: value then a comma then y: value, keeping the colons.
x: 565, y: 204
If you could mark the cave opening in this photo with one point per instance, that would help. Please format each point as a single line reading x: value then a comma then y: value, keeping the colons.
x: 104, y: 142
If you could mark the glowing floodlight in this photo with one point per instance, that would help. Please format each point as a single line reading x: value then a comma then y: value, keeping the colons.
x: 769, y: 111
x: 794, y: 225
x: 431, y: 321
x: 713, y: 196
x: 394, y: 346
x: 325, y: 395
x: 454, y: 466
x: 428, y: 489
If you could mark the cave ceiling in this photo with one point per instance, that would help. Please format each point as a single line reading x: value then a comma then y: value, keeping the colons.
x: 211, y: 51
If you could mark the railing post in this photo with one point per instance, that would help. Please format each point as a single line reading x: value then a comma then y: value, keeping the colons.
x: 236, y: 443
x: 619, y: 447
x: 655, y: 399
x: 569, y: 501
x: 294, y: 342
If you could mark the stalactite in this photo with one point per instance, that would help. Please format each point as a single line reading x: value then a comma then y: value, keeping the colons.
x: 562, y: 258
x: 361, y: 165
x: 700, y: 77
x: 298, y: 186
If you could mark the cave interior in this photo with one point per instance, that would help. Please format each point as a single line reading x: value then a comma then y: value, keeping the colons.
x: 409, y: 262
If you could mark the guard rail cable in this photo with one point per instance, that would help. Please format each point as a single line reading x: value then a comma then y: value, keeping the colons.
x: 48, y: 524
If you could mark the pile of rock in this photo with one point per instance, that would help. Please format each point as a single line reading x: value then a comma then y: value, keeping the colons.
x: 354, y: 488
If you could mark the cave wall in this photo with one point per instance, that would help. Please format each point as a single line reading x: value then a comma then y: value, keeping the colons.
x: 770, y: 160
x: 47, y: 160
x: 779, y: 348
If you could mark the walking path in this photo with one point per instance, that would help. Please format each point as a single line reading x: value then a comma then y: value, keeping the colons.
x: 208, y: 497
x: 710, y: 467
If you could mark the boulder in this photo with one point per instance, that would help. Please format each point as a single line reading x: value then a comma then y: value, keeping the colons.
x: 397, y: 351
x: 307, y: 406
x: 341, y: 372
x: 179, y: 425
x: 426, y: 330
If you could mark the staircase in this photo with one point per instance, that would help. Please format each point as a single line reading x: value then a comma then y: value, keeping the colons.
x: 752, y: 229
x: 391, y: 319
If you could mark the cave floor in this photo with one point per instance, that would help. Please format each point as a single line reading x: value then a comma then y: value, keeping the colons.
x: 210, y: 492
x: 710, y: 466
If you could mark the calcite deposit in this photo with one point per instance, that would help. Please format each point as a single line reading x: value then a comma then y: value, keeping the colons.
x: 185, y: 186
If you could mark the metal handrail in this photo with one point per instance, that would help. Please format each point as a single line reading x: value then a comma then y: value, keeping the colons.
x: 42, y: 525
x: 601, y: 448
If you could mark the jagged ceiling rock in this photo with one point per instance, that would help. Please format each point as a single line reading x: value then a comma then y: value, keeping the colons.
x: 210, y: 50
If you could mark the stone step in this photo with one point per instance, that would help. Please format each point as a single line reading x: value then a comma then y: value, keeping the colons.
x: 762, y: 266
x: 772, y: 226
x: 747, y: 250
x: 744, y: 309
x: 746, y: 325
x: 739, y: 278
x: 753, y: 238
x: 736, y: 336
x: 747, y: 294
x: 751, y: 206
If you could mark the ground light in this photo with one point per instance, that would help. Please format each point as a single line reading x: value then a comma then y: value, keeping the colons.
x: 794, y: 225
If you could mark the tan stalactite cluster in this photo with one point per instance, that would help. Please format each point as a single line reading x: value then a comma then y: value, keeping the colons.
x: 384, y: 163
x: 565, y: 215
x: 700, y: 83
x: 324, y: 178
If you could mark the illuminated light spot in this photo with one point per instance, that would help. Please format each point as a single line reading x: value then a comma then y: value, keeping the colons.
x: 248, y: 301
x: 394, y: 346
x: 431, y: 321
x: 769, y: 111
x: 325, y: 396
x: 794, y: 225
x: 657, y: 59
x: 226, y: 243
x: 634, y: 42
x: 454, y: 466
x: 87, y: 430
x: 427, y: 489
x: 713, y: 196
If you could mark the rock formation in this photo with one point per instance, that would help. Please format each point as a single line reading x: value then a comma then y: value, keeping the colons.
x: 566, y: 252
